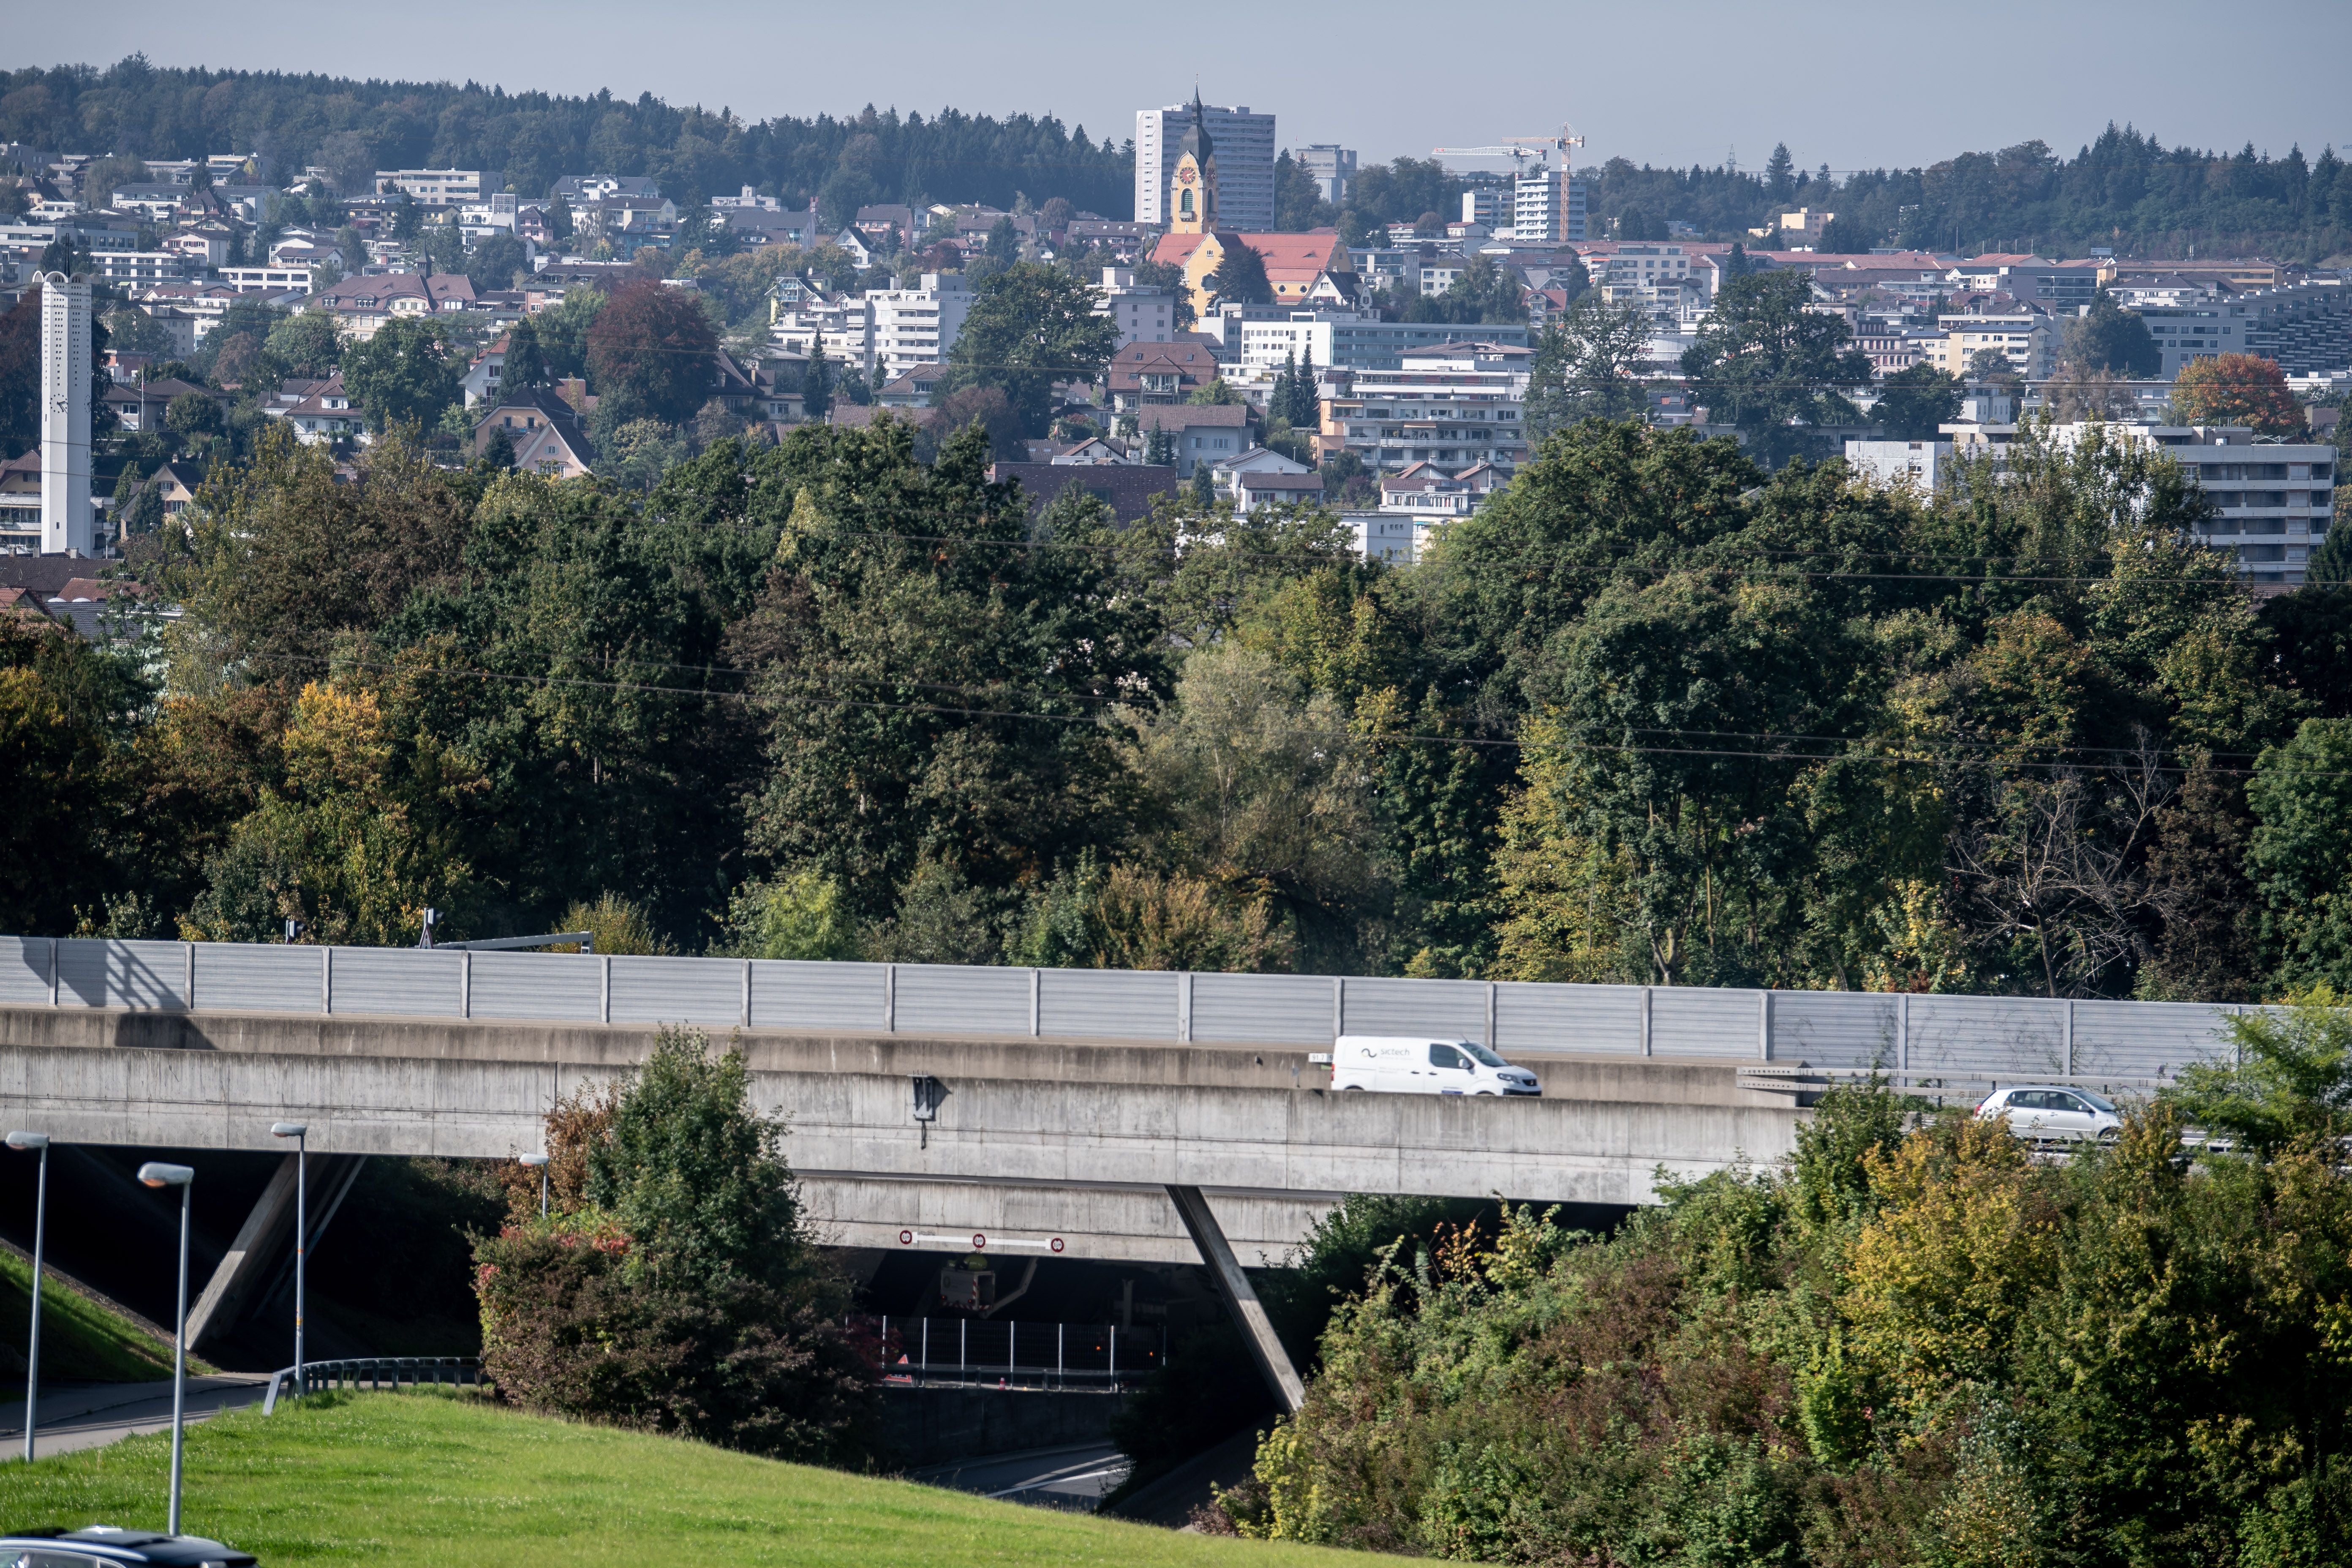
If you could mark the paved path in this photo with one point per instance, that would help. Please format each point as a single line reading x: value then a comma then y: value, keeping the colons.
x: 91, y: 1414
x: 1073, y: 1478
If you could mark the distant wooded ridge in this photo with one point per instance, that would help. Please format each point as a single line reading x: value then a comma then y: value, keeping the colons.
x: 2125, y: 190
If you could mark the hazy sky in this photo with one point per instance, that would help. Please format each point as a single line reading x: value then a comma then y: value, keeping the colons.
x: 1846, y: 84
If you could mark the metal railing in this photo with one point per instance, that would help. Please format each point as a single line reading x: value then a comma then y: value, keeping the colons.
x: 2007, y: 1038
x: 373, y: 1372
x: 984, y: 1352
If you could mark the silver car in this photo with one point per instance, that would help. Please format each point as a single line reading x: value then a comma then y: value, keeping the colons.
x: 2052, y: 1111
x: 112, y: 1546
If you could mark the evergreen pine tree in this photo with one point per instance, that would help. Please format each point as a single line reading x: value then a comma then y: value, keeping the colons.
x: 1306, y: 408
x: 1204, y: 485
x: 816, y: 384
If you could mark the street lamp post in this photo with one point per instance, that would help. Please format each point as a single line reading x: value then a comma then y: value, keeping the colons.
x: 40, y: 1142
x: 155, y: 1174
x: 539, y: 1160
x: 300, y: 1133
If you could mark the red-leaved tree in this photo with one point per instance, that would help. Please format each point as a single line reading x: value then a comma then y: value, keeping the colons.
x: 651, y: 348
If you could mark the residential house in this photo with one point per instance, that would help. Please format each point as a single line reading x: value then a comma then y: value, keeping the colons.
x: 1143, y: 373
x: 362, y: 305
x: 1253, y: 491
x: 481, y: 378
x: 877, y: 222
x: 142, y: 406
x: 544, y: 430
x: 1199, y: 433
x: 326, y: 414
x: 914, y: 388
x: 1127, y: 488
x: 1096, y: 450
x: 626, y: 223
x: 759, y: 225
x: 1223, y: 471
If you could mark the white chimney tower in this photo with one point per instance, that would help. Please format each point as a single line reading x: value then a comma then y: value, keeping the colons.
x: 66, y: 520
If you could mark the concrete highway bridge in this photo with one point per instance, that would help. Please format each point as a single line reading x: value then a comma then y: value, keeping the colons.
x: 1149, y: 1117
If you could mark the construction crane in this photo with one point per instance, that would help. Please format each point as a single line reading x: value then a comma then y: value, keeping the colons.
x: 1566, y: 139
x: 1517, y: 155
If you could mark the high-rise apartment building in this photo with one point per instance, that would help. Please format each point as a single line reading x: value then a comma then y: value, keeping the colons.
x: 66, y: 522
x: 1245, y: 143
x: 1548, y: 207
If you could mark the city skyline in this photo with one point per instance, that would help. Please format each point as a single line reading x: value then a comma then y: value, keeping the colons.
x: 1734, y: 83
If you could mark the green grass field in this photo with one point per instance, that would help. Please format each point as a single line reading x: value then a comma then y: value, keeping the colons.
x: 443, y: 1479
x: 82, y: 1342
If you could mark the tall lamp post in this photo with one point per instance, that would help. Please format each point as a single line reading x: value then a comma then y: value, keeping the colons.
x: 299, y: 1131
x: 539, y: 1160
x: 35, y: 1141
x: 155, y: 1174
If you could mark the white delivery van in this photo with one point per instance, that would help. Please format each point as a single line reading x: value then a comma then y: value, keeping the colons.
x: 1415, y: 1064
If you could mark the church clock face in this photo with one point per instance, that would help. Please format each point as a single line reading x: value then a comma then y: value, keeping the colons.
x: 1184, y: 176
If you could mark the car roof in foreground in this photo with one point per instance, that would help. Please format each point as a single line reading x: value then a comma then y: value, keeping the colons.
x: 117, y: 1544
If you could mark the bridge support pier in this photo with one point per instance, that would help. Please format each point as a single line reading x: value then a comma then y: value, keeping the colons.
x: 259, y: 1239
x: 1257, y: 1329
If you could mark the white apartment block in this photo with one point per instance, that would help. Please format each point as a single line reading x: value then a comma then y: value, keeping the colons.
x: 2273, y: 501
x: 1243, y: 145
x: 266, y: 280
x: 1922, y: 464
x: 1546, y: 206
x: 1456, y: 405
x: 1141, y: 315
x: 1268, y: 336
x: 917, y: 326
x: 140, y: 266
x: 440, y: 187
x: 2028, y: 341
x: 1333, y: 168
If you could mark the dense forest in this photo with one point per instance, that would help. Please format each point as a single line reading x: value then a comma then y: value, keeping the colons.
x: 292, y: 122
x: 2125, y: 190
x: 1653, y: 715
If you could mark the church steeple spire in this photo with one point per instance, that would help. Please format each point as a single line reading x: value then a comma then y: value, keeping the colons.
x: 1193, y: 181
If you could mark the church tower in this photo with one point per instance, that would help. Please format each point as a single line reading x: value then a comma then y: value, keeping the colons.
x: 1193, y: 183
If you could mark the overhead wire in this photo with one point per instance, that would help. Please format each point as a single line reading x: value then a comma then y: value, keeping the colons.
x: 1898, y: 756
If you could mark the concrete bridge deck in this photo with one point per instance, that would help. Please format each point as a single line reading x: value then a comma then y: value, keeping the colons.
x: 1033, y: 1138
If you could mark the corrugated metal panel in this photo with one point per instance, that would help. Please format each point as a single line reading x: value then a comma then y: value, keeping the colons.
x: 708, y: 991
x: 1686, y: 1021
x: 945, y: 999
x: 1535, y: 1018
x: 1443, y: 1009
x: 24, y: 970
x: 404, y: 981
x: 1121, y: 1004
x: 1272, y: 1009
x: 565, y: 987
x: 2000, y: 1036
x: 1834, y: 1029
x: 248, y: 977
x: 93, y: 973
x: 2148, y: 1039
x: 796, y: 994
